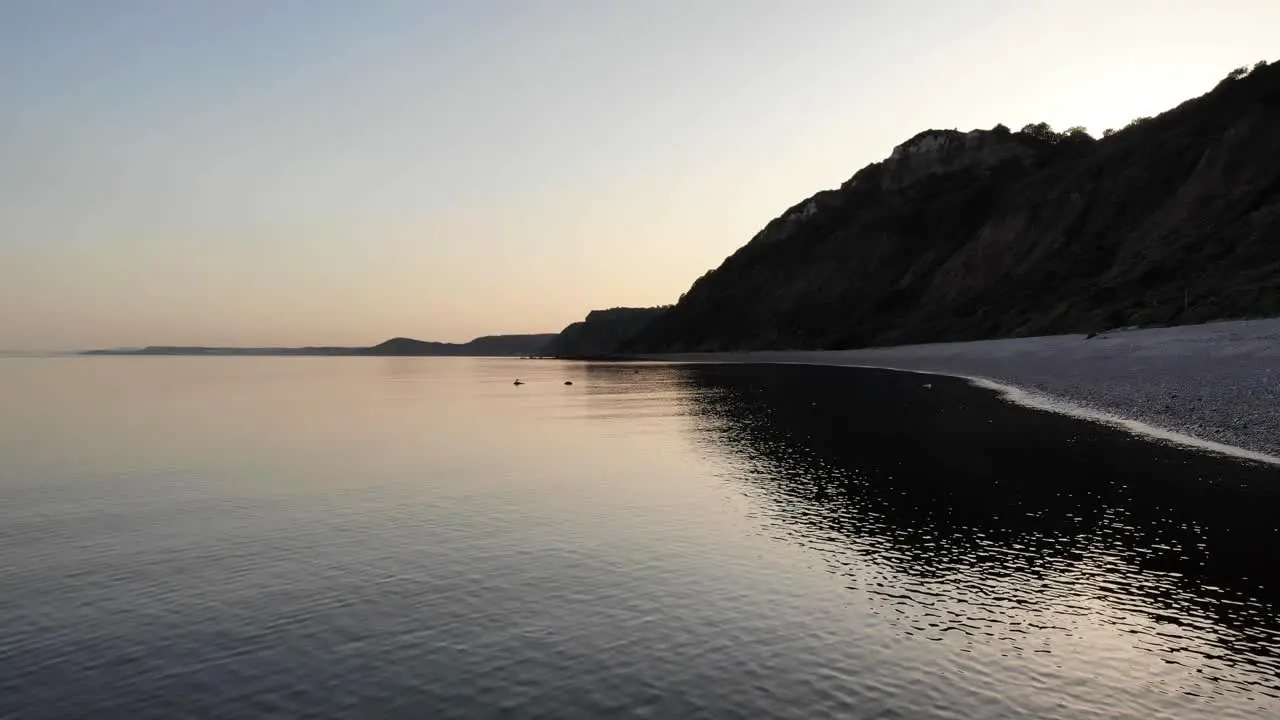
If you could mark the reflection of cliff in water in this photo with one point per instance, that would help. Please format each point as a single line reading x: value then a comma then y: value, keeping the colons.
x: 967, y: 514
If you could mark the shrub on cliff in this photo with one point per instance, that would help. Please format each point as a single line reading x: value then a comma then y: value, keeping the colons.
x: 1041, y: 131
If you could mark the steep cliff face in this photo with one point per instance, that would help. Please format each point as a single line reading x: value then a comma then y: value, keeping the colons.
x: 603, y: 332
x: 992, y: 233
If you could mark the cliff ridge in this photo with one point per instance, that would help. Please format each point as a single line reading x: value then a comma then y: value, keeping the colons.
x: 992, y: 233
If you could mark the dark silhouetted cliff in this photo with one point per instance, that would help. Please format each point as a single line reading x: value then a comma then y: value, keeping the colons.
x: 510, y: 344
x: 603, y: 332
x: 489, y: 345
x: 1174, y: 219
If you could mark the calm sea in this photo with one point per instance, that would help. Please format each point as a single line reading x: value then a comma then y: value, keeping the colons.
x: 367, y: 537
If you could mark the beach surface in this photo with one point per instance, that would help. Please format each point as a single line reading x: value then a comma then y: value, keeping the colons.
x: 1213, y: 385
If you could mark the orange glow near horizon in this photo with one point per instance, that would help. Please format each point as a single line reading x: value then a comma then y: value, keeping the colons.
x: 344, y: 175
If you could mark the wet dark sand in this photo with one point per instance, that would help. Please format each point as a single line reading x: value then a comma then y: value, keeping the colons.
x: 1215, y: 383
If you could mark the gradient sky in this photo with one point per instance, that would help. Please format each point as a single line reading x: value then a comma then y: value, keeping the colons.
x: 250, y: 172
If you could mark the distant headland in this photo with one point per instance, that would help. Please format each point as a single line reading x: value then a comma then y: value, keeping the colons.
x: 486, y: 346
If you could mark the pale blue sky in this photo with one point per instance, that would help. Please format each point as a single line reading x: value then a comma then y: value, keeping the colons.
x: 324, y: 171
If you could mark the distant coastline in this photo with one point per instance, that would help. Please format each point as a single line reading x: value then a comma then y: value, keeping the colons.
x: 487, y: 346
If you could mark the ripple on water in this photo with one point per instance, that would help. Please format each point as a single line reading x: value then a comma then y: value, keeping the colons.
x: 680, y: 542
x: 1087, y: 544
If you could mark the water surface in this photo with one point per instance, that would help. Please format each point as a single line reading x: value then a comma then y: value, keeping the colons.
x: 336, y: 537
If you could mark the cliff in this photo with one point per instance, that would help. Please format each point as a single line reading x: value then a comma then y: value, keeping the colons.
x: 492, y: 345
x: 486, y: 346
x: 603, y: 332
x: 992, y: 233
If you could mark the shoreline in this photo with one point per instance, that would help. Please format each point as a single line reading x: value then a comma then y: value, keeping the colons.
x: 1212, y: 387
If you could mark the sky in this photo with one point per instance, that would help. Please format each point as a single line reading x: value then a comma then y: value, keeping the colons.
x: 290, y: 172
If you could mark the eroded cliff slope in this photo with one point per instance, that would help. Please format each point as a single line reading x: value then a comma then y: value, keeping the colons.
x: 994, y: 233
